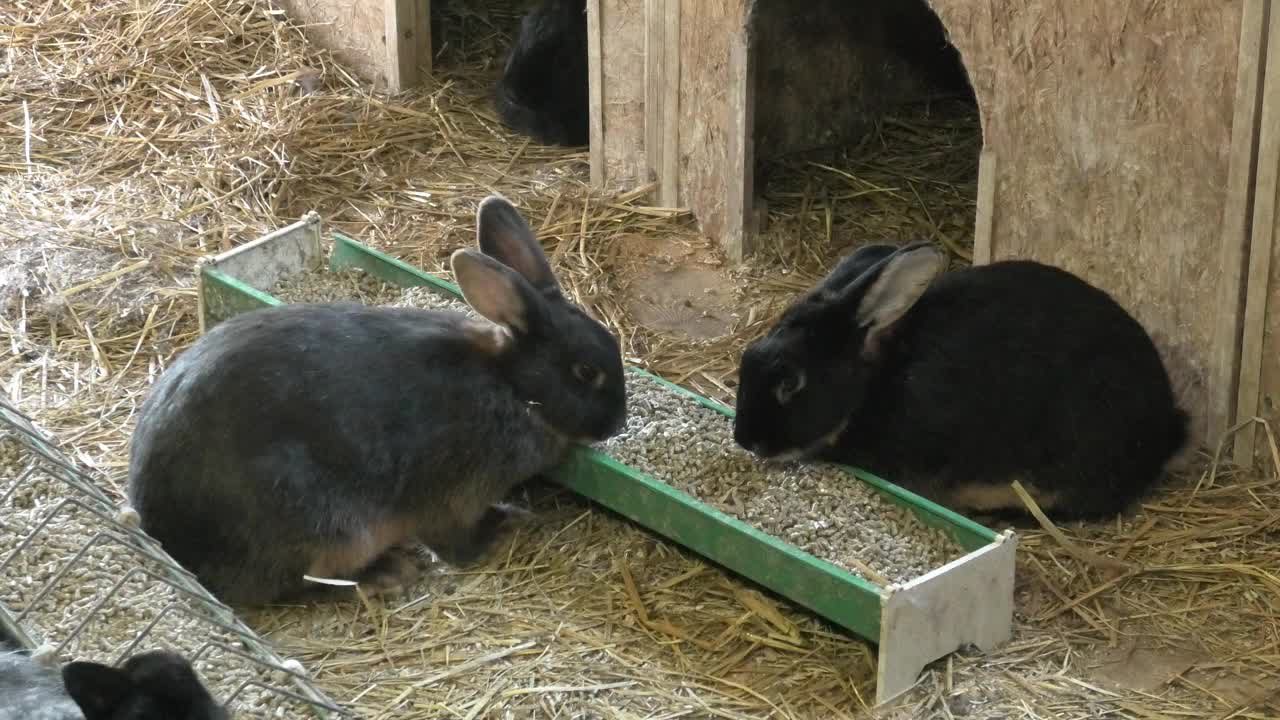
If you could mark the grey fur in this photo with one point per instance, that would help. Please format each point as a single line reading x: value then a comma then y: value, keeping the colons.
x: 31, y: 691
x: 328, y: 436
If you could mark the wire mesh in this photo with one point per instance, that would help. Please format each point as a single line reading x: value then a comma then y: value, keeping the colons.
x: 78, y: 576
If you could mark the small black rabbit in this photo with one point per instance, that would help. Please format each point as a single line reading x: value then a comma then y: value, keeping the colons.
x: 543, y: 91
x: 156, y: 685
x: 953, y: 385
x: 328, y: 439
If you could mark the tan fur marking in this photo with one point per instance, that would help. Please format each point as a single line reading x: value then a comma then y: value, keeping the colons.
x: 344, y: 561
x: 402, y: 573
x: 487, y: 337
x: 991, y: 497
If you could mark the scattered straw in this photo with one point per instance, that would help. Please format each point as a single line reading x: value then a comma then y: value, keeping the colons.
x: 145, y: 134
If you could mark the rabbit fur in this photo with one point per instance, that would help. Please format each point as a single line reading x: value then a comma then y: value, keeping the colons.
x: 955, y: 384
x: 543, y: 90
x: 329, y: 439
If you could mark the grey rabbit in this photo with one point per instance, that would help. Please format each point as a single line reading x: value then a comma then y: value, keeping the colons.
x: 325, y: 439
x: 157, y: 685
x: 955, y: 384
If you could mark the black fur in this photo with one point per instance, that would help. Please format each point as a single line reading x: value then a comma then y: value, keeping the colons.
x: 158, y: 685
x: 543, y: 90
x: 916, y: 34
x: 284, y: 435
x: 1014, y: 370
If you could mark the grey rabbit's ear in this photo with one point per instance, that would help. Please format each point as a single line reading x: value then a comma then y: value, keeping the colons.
x: 902, y: 280
x: 503, y: 234
x: 96, y: 688
x: 492, y: 289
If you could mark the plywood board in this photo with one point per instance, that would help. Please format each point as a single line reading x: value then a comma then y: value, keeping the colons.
x: 385, y: 42
x: 715, y: 99
x: 620, y: 71
x: 662, y: 97
x: 1112, y: 122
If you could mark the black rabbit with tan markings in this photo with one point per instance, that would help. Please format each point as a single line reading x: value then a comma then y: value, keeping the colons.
x: 956, y: 384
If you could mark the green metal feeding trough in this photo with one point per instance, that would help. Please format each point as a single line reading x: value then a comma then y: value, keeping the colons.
x: 968, y: 601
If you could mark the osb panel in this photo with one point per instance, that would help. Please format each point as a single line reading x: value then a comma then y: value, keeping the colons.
x: 1111, y: 124
x: 708, y: 112
x: 353, y: 30
x: 622, y: 59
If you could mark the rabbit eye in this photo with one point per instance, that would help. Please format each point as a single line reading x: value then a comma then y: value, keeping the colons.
x: 588, y: 374
x: 789, y: 386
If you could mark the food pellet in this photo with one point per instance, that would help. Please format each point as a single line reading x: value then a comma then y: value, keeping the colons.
x: 818, y: 508
x: 321, y: 287
x: 29, y: 494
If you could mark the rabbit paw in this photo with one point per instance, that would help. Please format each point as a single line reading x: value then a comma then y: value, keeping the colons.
x: 481, y: 536
x: 392, y: 573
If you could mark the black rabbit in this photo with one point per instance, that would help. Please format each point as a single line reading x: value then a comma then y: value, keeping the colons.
x: 157, y: 685
x: 543, y: 90
x: 953, y: 385
x: 327, y: 439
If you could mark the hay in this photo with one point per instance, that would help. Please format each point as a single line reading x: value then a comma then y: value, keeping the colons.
x: 162, y: 130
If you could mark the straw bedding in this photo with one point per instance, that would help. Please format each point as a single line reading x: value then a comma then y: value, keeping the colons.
x: 141, y: 135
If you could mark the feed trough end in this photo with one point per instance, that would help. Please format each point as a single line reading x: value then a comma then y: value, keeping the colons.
x: 968, y: 601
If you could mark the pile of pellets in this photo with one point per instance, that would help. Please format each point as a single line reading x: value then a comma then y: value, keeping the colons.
x: 818, y: 508
x: 322, y: 287
x: 80, y: 599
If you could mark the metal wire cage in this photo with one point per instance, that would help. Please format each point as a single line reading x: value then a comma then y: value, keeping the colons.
x: 78, y: 577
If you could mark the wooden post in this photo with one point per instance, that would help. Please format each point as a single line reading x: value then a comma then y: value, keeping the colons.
x: 595, y: 74
x: 385, y: 42
x: 1262, y: 240
x: 739, y: 238
x: 1223, y: 369
x: 662, y: 97
x: 408, y: 37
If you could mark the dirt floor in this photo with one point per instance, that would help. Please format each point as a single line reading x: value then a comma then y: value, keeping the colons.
x: 138, y: 136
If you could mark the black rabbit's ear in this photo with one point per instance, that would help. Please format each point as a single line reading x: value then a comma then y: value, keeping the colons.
x: 900, y: 282
x: 505, y: 236
x: 493, y: 289
x: 96, y: 688
x: 853, y: 267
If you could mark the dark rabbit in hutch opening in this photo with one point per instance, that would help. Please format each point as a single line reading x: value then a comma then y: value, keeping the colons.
x: 543, y: 90
x: 954, y: 384
x: 330, y: 439
x: 826, y: 70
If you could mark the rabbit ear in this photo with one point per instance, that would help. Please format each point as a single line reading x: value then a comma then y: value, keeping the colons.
x: 96, y: 688
x: 493, y: 289
x: 902, y: 279
x: 853, y: 267
x: 504, y: 235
